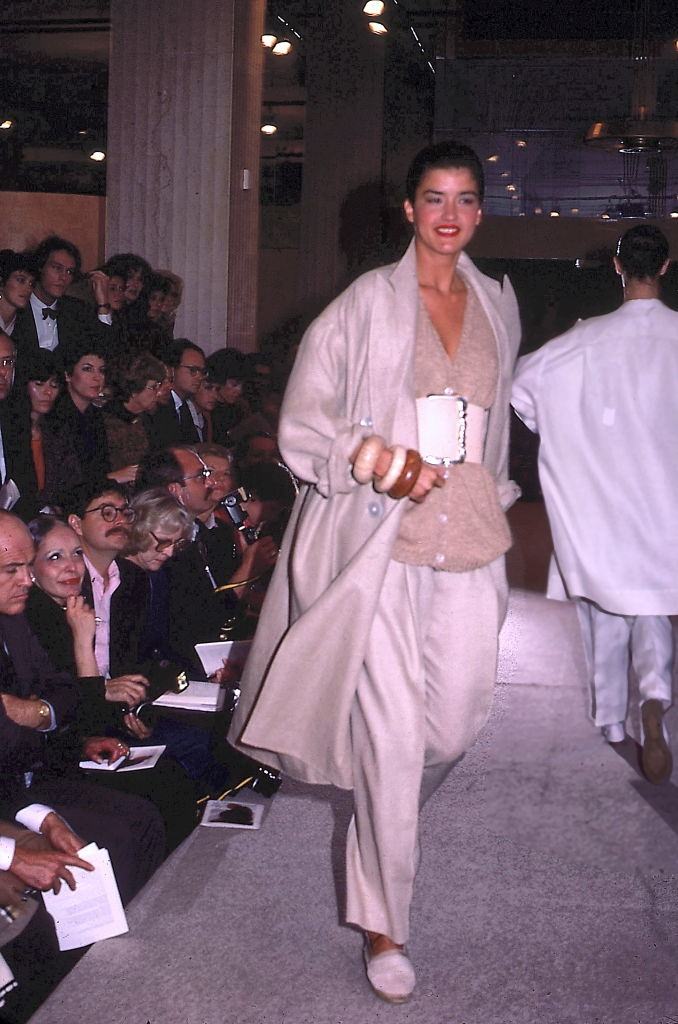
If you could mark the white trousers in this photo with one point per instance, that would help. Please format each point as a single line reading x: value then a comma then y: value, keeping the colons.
x: 610, y: 642
x: 424, y: 694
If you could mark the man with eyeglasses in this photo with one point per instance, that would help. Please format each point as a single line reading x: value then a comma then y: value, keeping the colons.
x: 178, y: 422
x: 101, y: 516
x: 53, y: 318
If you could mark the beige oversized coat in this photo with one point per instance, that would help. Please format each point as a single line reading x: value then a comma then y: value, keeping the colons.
x: 354, y: 376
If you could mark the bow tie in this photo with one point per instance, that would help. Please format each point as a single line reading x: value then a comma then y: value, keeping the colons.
x: 47, y: 312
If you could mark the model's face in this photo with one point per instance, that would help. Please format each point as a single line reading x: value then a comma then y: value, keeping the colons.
x: 43, y: 394
x: 87, y: 379
x: 134, y: 285
x: 446, y: 211
x: 7, y: 363
x: 156, y: 301
x: 59, y: 566
x: 162, y: 545
x: 231, y: 391
x: 16, y: 559
x: 101, y: 530
x: 116, y: 293
x: 17, y: 289
x: 189, y: 375
x: 207, y: 396
x: 57, y: 273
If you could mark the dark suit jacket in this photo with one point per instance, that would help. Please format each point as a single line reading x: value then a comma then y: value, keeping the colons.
x: 15, y: 425
x: 23, y: 749
x: 166, y: 430
x: 69, y: 458
x: 75, y: 320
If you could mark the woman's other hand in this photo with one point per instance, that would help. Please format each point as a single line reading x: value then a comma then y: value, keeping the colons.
x: 130, y: 689
x: 81, y: 619
x: 429, y: 477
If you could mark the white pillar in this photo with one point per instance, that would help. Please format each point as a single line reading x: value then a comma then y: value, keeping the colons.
x: 170, y: 140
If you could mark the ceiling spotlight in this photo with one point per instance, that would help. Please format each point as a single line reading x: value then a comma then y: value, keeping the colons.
x: 7, y: 124
x: 378, y: 28
x: 554, y: 213
x: 373, y: 8
x: 282, y: 48
x: 575, y: 209
x: 97, y: 155
x: 605, y: 216
x: 505, y: 174
x: 510, y: 188
x: 493, y: 159
x: 269, y: 40
x: 269, y: 128
x: 521, y: 143
x: 674, y: 213
x: 538, y: 209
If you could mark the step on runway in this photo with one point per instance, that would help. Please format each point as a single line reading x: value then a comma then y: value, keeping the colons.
x: 548, y: 891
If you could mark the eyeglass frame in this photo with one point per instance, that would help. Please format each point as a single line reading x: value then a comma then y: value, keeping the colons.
x: 194, y: 371
x: 162, y: 544
x: 126, y: 512
x: 205, y: 472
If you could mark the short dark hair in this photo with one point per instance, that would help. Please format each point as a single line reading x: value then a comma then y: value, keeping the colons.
x: 227, y: 364
x: 642, y: 251
x: 80, y: 345
x: 81, y: 496
x: 444, y: 155
x: 123, y: 264
x: 175, y: 351
x: 159, y: 283
x: 11, y: 261
x: 41, y: 365
x: 159, y: 469
x: 51, y: 244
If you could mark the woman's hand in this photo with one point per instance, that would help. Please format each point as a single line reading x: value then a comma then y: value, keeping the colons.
x: 257, y: 559
x: 129, y: 689
x: 429, y: 477
x: 99, y: 284
x: 136, y: 727
x: 82, y: 620
x: 103, y: 748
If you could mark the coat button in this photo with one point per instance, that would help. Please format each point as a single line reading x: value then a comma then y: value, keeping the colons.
x: 366, y: 421
x: 374, y: 509
x: 440, y: 558
x: 442, y: 517
x: 448, y: 391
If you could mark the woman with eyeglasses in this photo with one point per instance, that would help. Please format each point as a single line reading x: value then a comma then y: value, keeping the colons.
x: 127, y: 416
x: 65, y: 626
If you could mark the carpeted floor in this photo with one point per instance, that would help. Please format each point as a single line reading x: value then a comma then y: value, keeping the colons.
x: 548, y: 891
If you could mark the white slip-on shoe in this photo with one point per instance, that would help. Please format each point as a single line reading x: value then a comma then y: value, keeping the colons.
x: 614, y: 733
x: 655, y: 758
x: 390, y: 974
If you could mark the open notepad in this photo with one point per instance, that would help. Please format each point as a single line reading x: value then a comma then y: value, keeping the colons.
x: 197, y: 696
x: 138, y: 759
x: 93, y: 910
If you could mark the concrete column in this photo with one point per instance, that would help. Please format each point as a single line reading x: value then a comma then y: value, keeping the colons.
x: 173, y: 188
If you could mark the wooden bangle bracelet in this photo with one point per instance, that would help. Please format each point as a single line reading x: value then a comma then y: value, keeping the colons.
x: 386, y: 482
x: 366, y: 459
x: 408, y: 478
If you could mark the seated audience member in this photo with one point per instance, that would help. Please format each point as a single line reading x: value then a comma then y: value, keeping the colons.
x: 16, y: 286
x: 74, y: 436
x: 17, y: 475
x: 127, y: 416
x: 177, y: 422
x: 136, y: 273
x: 271, y: 490
x: 172, y: 298
x: 53, y: 607
x: 205, y: 401
x: 44, y: 380
x: 227, y: 367
x: 53, y: 318
x: 159, y: 288
x: 256, y: 448
x: 209, y: 576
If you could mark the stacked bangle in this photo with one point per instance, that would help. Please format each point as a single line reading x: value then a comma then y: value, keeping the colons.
x: 408, y: 476
x: 398, y: 458
x: 366, y: 459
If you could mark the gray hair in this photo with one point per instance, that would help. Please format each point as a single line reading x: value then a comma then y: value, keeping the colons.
x: 156, y: 511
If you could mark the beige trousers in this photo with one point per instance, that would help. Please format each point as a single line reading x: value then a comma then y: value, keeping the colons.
x: 424, y: 694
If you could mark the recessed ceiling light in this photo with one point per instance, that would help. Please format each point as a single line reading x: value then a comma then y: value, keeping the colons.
x: 282, y: 48
x: 268, y: 128
x: 493, y: 159
x: 510, y: 188
x: 377, y: 28
x: 521, y: 143
x: 374, y: 8
x: 269, y: 40
x: 538, y: 209
x: 554, y: 213
x: 505, y: 174
x: 97, y: 155
x: 7, y: 124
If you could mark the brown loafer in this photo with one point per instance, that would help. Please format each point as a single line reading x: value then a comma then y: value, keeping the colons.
x: 656, y: 759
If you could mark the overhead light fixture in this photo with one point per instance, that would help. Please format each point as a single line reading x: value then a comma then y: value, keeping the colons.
x: 511, y: 188
x: 282, y: 48
x: 538, y: 210
x: 554, y: 213
x: 493, y: 159
x: 373, y: 8
x: 269, y: 40
x: 97, y: 155
x: 575, y: 209
x: 7, y: 124
x: 378, y: 28
x: 674, y: 214
x: 521, y: 143
x: 505, y: 174
x: 268, y: 128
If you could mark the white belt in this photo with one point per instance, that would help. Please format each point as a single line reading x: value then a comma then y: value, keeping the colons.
x: 451, y: 430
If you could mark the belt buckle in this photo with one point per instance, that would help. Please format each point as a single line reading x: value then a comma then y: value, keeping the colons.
x: 462, y: 420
